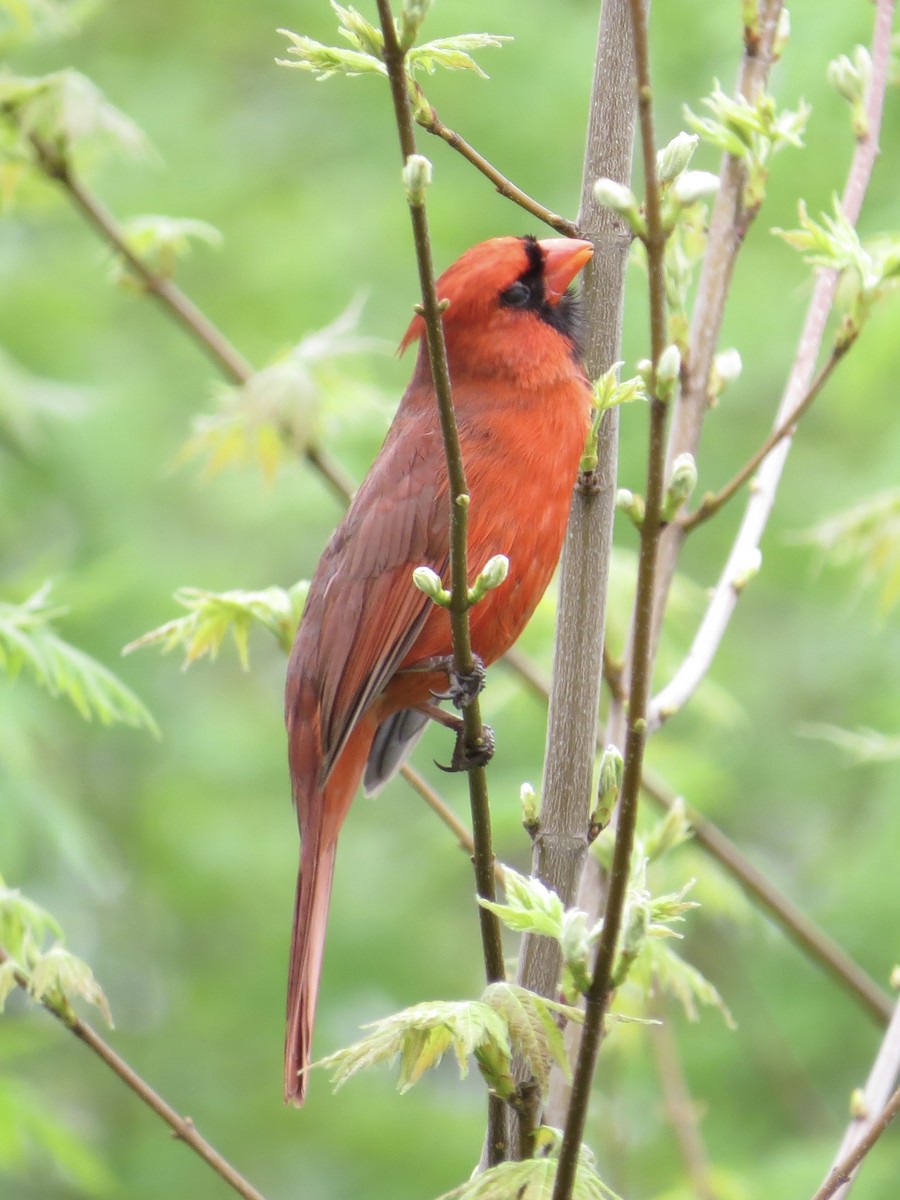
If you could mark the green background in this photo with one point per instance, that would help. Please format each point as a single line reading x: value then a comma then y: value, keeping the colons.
x: 172, y: 864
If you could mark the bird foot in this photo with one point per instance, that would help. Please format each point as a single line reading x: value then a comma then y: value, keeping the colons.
x: 463, y: 689
x: 466, y: 757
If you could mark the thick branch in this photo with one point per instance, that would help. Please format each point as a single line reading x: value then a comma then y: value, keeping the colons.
x: 599, y: 993
x: 182, y: 1127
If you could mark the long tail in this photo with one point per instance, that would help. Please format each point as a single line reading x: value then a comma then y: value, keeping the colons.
x: 307, y: 946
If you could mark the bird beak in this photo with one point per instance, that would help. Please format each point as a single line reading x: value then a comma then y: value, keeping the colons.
x: 563, y: 259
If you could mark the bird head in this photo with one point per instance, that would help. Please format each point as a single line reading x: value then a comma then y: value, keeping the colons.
x: 508, y: 304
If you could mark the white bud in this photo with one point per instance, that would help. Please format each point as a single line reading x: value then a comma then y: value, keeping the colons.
x: 667, y: 371
x: 530, y: 806
x: 728, y: 366
x: 491, y: 576
x: 416, y: 179
x: 694, y: 185
x: 674, y: 158
x: 429, y: 582
x: 684, y: 479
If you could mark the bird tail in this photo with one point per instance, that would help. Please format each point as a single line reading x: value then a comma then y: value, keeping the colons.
x: 307, y: 945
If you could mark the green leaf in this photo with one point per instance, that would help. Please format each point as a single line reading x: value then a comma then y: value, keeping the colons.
x: 534, y: 1178
x: 419, y: 1037
x: 59, y: 976
x: 452, y: 53
x: 61, y: 111
x: 160, y: 242
x: 28, y: 642
x: 532, y: 907
x: 212, y: 616
x: 324, y: 61
x: 867, y: 537
x: 534, y: 1032
x: 277, y: 411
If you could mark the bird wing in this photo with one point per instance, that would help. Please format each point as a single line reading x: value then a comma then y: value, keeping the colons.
x: 364, y: 613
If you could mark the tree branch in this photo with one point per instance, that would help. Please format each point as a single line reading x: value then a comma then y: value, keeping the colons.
x: 879, y: 1107
x: 598, y: 994
x: 431, y: 123
x: 182, y: 1127
x: 745, y: 551
x: 492, y: 945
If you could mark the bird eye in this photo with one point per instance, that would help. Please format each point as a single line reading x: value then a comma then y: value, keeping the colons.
x: 516, y: 296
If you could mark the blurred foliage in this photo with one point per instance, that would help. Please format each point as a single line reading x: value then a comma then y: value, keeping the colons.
x: 173, y: 863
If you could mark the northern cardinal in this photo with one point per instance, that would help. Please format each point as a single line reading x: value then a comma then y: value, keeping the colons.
x: 372, y: 651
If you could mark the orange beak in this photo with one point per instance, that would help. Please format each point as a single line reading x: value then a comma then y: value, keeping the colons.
x: 563, y: 259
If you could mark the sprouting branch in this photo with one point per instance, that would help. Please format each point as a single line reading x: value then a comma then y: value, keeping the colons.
x: 712, y: 503
x: 744, y: 556
x: 464, y: 662
x: 431, y: 123
x: 598, y: 995
x: 173, y: 300
x: 182, y: 1127
x: 813, y: 941
x: 877, y: 1108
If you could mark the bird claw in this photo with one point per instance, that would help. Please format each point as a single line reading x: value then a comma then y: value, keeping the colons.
x: 466, y: 757
x: 463, y: 689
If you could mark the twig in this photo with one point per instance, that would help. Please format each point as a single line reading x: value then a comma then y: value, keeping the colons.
x: 807, y: 935
x: 419, y: 784
x: 492, y: 945
x: 745, y: 550
x: 680, y: 1107
x: 879, y: 1110
x: 432, y: 123
x: 182, y: 1127
x: 711, y: 504
x: 729, y: 221
x: 598, y: 994
x: 173, y: 300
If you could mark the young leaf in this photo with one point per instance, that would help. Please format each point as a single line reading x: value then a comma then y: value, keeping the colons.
x: 212, y: 615
x: 29, y: 642
x: 452, y: 53
x: 160, y: 242
x: 534, y: 1178
x: 866, y: 536
x: 533, y: 1030
x: 532, y: 907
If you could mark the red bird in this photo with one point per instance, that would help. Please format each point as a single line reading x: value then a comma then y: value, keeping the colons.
x: 372, y: 650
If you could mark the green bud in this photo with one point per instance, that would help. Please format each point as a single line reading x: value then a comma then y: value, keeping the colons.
x: 859, y: 1109
x: 429, y: 582
x: 491, y: 576
x: 416, y: 179
x: 632, y: 505
x: 531, y: 810
x: 674, y: 158
x: 895, y: 978
x: 414, y: 13
x: 681, y: 486
x: 694, y: 185
x: 620, y: 199
x: 575, y: 943
x: 726, y: 368
x: 608, y: 787
x: 853, y: 81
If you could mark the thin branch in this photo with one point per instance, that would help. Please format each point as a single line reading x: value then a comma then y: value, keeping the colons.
x: 172, y: 299
x: 745, y: 550
x: 598, y: 994
x: 464, y: 663
x: 681, y: 1109
x: 805, y: 933
x: 432, y: 123
x: 182, y: 1127
x: 711, y: 504
x: 421, y: 785
x: 878, y: 1110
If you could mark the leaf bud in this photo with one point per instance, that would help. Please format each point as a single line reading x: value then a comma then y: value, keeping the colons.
x: 531, y: 810
x: 726, y: 368
x: 667, y: 371
x: 622, y: 200
x: 491, y: 576
x: 416, y: 179
x: 695, y: 185
x: 748, y: 569
x: 632, y: 505
x: 674, y: 158
x: 429, y: 582
x: 608, y: 786
x: 859, y: 1109
x: 413, y: 14
x: 681, y: 485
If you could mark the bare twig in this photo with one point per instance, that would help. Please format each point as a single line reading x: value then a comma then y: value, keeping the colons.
x: 492, y: 945
x: 598, y: 994
x: 432, y: 123
x: 680, y: 1107
x: 712, y: 503
x: 878, y: 1108
x: 182, y: 1127
x: 745, y: 550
